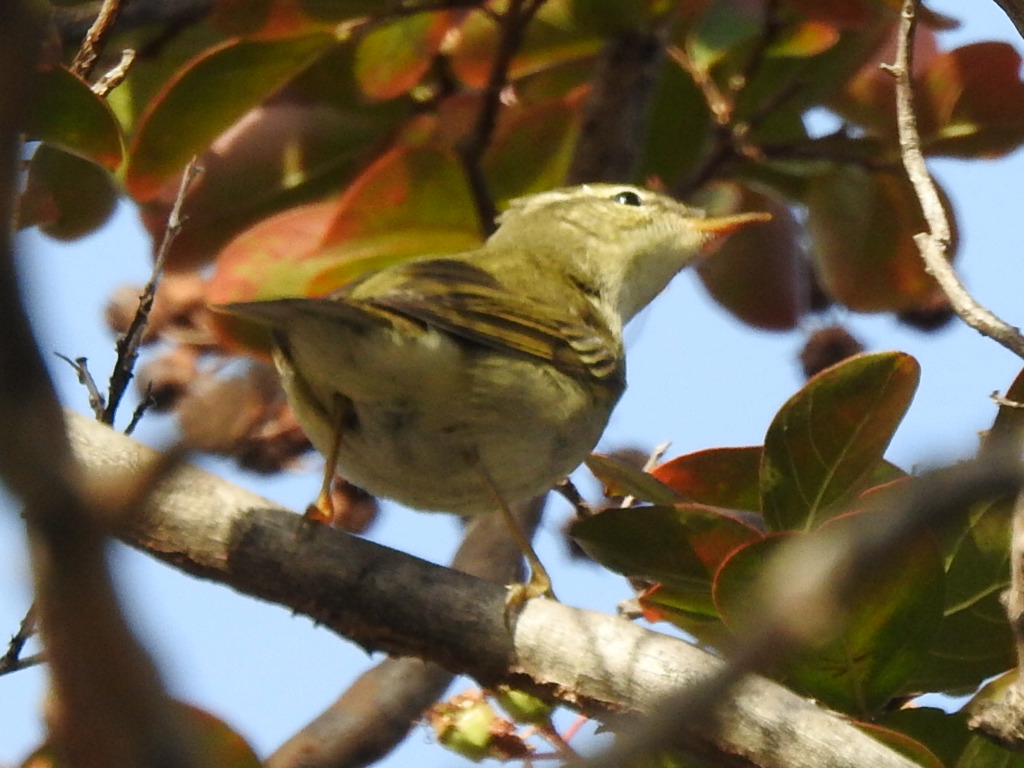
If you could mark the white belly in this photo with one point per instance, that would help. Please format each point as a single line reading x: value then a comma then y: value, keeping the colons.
x: 425, y: 419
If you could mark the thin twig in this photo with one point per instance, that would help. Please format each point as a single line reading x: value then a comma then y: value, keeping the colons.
x: 81, y: 367
x: 514, y: 22
x: 128, y: 345
x: 115, y: 75
x: 147, y: 402
x: 91, y: 46
x: 934, y: 244
x: 12, y: 661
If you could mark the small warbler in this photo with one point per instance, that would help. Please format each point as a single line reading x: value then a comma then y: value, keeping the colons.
x: 464, y: 382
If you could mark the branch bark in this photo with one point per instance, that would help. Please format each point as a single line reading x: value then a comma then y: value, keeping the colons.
x: 388, y: 601
x: 934, y: 244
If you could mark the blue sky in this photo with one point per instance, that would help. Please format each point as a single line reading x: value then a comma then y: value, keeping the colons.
x: 697, y: 378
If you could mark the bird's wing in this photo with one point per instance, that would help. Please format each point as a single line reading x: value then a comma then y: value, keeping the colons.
x: 464, y: 300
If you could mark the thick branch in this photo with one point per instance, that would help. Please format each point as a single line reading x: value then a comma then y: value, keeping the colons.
x: 617, y: 113
x: 386, y: 600
x: 106, y: 704
x: 1015, y: 10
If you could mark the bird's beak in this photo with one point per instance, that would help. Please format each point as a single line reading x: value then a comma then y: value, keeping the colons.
x: 715, y: 228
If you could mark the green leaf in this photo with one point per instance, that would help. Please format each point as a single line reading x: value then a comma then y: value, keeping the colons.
x: 680, y: 546
x: 391, y: 58
x: 205, y: 97
x: 830, y: 435
x: 65, y: 196
x: 944, y: 733
x: 532, y: 148
x: 65, y: 113
x: 974, y: 640
x: 982, y: 753
x: 885, y: 633
x: 622, y: 479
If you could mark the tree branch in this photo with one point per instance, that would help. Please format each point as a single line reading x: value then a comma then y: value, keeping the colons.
x: 618, y: 108
x: 385, y: 600
x: 381, y: 707
x: 934, y: 245
x: 107, y: 706
x: 1015, y: 10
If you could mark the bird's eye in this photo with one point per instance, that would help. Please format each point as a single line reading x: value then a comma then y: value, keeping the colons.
x: 628, y: 197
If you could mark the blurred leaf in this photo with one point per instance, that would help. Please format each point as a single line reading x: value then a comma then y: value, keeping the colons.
x: 680, y: 128
x: 841, y: 13
x: 65, y: 113
x: 265, y: 18
x: 213, y: 743
x: 551, y: 40
x: 806, y: 38
x: 391, y: 58
x: 622, y: 479
x: 972, y: 101
x: 65, y: 196
x: 205, y: 97
x: 410, y: 202
x: 1008, y: 427
x: 279, y: 155
x: 885, y: 633
x: 862, y: 225
x: 684, y: 609
x: 531, y: 148
x: 724, y: 26
x: 338, y: 10
x: 902, y: 744
x: 680, y: 546
x: 868, y: 95
x: 974, y: 640
x: 719, y: 477
x: 982, y: 753
x: 830, y: 435
x: 217, y: 743
x: 944, y: 733
x: 759, y: 274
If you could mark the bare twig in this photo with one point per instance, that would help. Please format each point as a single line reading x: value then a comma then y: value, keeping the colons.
x: 12, y: 659
x: 934, y: 244
x: 81, y: 368
x: 128, y: 345
x: 91, y: 46
x: 116, y: 75
x: 513, y: 25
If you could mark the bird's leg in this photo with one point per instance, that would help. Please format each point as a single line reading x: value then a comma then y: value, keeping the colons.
x: 579, y: 504
x: 539, y: 583
x: 322, y: 510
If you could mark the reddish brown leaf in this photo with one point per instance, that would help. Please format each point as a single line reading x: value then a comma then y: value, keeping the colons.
x: 721, y: 477
x: 862, y: 224
x: 759, y: 274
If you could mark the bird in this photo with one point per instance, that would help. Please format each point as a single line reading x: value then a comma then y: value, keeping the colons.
x: 466, y: 382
